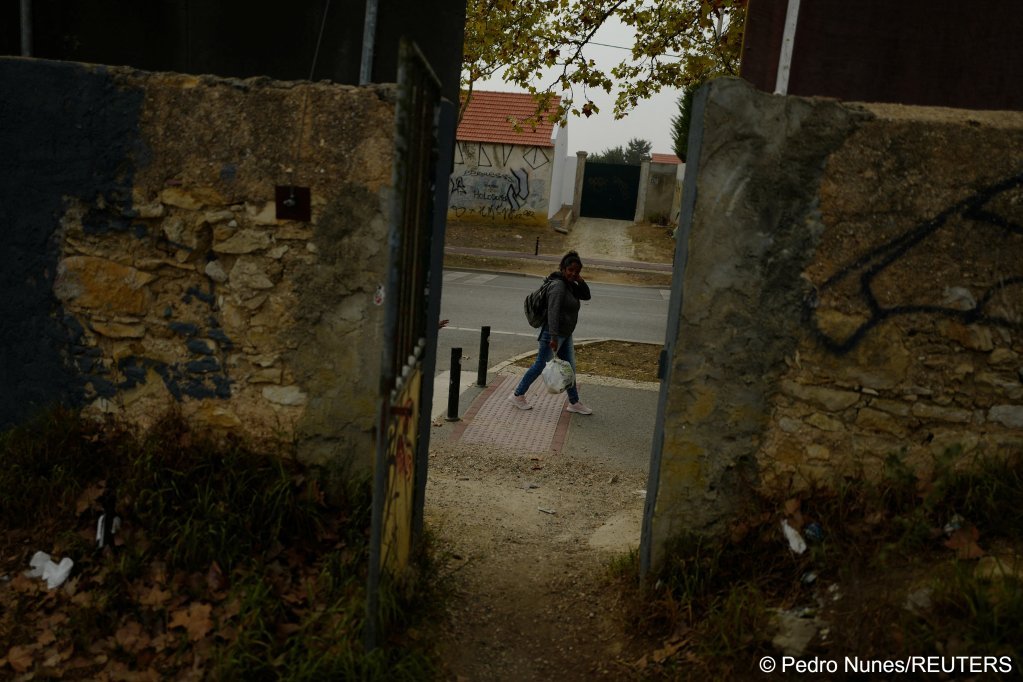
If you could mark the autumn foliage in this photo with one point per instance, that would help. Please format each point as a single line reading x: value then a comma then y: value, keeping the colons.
x: 230, y: 563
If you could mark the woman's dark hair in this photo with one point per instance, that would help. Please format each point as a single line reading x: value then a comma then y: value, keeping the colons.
x: 569, y: 258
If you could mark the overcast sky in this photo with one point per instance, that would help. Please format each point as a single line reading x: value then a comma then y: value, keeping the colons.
x: 651, y: 120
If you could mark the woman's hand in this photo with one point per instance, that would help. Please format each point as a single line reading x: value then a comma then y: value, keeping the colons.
x: 553, y: 344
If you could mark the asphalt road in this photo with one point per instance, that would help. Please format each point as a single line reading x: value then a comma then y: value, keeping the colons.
x: 471, y: 300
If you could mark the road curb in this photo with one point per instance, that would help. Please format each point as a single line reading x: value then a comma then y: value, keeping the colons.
x: 595, y: 379
x: 635, y: 267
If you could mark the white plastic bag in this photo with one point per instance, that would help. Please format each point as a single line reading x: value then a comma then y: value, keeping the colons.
x: 558, y: 375
x: 53, y: 573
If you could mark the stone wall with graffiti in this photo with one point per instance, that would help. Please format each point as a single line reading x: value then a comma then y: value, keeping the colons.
x: 852, y: 296
x: 504, y: 183
x: 153, y: 272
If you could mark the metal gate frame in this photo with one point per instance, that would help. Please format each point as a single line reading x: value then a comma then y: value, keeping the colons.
x: 593, y: 202
x: 424, y: 139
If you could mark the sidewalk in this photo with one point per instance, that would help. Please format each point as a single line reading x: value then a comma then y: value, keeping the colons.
x: 619, y: 431
x: 602, y: 263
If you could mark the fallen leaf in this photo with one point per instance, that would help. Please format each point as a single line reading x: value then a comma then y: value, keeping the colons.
x: 215, y: 578
x: 25, y: 585
x: 154, y: 597
x: 669, y: 649
x: 795, y: 516
x: 89, y: 496
x: 160, y: 642
x: 158, y: 572
x: 54, y: 620
x: 231, y: 609
x: 20, y: 658
x: 82, y: 598
x: 131, y: 637
x: 195, y: 619
x: 964, y: 542
x: 285, y: 630
x: 46, y: 637
x: 78, y: 662
x: 739, y: 532
x: 52, y: 658
x: 71, y: 586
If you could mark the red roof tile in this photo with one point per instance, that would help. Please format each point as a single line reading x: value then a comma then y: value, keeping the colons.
x: 486, y: 119
x: 665, y: 158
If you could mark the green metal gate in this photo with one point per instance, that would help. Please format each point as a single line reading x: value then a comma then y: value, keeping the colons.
x: 610, y: 190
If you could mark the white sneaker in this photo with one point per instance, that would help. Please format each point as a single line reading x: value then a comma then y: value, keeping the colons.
x: 579, y: 408
x: 519, y: 401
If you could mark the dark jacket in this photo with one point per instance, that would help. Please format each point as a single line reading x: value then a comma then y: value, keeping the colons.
x: 563, y: 304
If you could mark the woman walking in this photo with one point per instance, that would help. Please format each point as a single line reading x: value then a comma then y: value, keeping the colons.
x: 566, y: 291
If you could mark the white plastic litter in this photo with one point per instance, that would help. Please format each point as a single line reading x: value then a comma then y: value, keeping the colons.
x: 115, y: 525
x: 796, y: 542
x: 53, y: 573
x: 558, y: 375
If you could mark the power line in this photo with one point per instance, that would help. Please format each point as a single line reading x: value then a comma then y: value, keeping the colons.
x: 620, y: 47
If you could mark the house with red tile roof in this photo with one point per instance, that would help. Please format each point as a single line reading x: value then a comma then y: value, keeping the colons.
x: 506, y: 170
x: 665, y: 158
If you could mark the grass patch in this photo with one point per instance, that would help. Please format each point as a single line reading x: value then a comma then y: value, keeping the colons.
x: 616, y: 359
x: 231, y: 562
x: 902, y: 565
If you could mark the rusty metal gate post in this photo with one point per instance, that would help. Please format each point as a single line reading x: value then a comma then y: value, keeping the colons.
x: 410, y: 329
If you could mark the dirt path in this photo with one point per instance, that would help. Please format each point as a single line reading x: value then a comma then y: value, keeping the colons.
x: 530, y: 539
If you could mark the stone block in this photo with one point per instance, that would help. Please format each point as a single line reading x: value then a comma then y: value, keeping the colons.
x: 191, y: 198
x: 830, y: 399
x: 250, y: 273
x: 118, y: 330
x: 876, y: 420
x: 949, y: 414
x: 1007, y: 415
x: 824, y: 422
x: 102, y: 285
x: 244, y: 241
x: 285, y: 395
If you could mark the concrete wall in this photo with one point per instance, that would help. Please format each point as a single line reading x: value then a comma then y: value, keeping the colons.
x: 150, y: 271
x: 568, y: 184
x: 676, y: 198
x: 500, y: 182
x: 559, y: 136
x: 851, y: 289
x: 660, y: 190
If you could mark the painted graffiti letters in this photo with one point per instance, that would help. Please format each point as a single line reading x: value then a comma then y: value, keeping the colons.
x: 513, y: 189
x: 457, y: 186
x: 980, y: 216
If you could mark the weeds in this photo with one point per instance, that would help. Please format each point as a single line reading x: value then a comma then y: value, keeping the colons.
x: 882, y: 539
x: 231, y: 561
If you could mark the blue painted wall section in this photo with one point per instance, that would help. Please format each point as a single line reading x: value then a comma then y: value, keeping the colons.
x: 65, y: 131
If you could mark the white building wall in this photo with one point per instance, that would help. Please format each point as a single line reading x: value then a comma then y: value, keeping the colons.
x: 568, y: 180
x: 501, y: 182
x: 559, y: 136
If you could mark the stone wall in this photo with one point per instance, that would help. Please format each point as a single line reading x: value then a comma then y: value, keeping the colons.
x: 851, y: 291
x: 501, y: 183
x: 157, y: 274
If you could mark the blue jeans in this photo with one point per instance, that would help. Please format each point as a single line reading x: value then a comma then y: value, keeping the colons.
x: 565, y: 351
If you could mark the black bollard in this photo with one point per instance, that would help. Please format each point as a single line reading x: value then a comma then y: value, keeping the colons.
x: 481, y: 373
x: 537, y: 251
x: 456, y: 380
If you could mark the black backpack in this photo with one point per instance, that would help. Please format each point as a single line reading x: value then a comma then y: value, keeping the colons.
x: 535, y: 305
